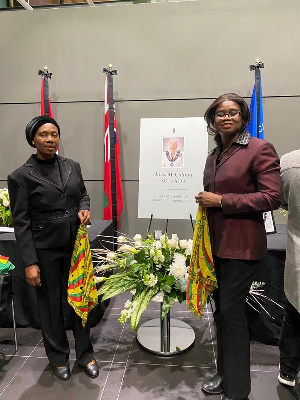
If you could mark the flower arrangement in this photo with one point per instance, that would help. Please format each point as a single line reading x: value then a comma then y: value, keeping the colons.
x: 5, y: 211
x: 150, y: 269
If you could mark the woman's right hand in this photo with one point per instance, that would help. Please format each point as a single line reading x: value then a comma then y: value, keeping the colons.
x: 32, y: 274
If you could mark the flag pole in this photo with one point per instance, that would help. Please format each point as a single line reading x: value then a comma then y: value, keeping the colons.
x: 256, y: 67
x: 45, y: 107
x: 110, y: 72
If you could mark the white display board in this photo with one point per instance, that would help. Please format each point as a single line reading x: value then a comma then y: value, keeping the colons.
x: 173, y: 152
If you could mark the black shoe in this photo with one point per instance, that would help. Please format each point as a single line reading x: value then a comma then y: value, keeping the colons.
x: 92, y: 370
x: 62, y: 373
x: 213, y: 385
x: 286, y: 379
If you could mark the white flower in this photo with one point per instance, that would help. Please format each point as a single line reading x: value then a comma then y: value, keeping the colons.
x: 179, y: 258
x: 152, y: 252
x: 110, y: 255
x: 150, y: 280
x: 5, y: 202
x: 158, y: 257
x: 178, y: 267
x: 121, y: 239
x: 138, y: 244
x: 157, y: 245
x: 188, y: 250
x: 137, y: 237
x: 126, y: 248
x: 99, y: 279
x: 163, y: 240
x: 177, y: 270
x: 173, y: 242
x: 127, y: 304
x: 183, y: 243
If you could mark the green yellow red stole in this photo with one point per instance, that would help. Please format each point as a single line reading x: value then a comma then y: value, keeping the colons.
x: 202, y: 277
x: 82, y: 291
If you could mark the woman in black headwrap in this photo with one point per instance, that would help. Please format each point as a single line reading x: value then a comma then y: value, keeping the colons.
x: 49, y: 201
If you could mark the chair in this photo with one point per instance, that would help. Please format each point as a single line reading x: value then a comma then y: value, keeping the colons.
x: 6, y: 298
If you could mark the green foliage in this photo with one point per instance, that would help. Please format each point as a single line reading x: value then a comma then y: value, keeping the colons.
x: 142, y: 301
x: 116, y: 284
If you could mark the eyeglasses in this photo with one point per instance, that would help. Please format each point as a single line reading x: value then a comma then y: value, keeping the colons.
x: 231, y: 114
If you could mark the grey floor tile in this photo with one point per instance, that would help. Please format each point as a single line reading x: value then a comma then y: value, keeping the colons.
x: 9, y: 368
x: 27, y: 339
x: 265, y: 386
x: 147, y: 382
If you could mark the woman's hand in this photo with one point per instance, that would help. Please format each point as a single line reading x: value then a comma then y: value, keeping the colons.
x: 208, y: 199
x: 84, y: 216
x: 32, y: 274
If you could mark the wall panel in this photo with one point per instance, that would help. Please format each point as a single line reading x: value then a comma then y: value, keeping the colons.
x: 187, y: 51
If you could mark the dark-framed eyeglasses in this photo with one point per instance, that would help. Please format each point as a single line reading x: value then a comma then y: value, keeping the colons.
x: 231, y: 114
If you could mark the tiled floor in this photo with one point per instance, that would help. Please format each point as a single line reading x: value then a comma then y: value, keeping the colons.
x: 127, y: 371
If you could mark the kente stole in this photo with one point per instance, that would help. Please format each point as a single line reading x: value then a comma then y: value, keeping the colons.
x: 202, y: 277
x: 82, y: 291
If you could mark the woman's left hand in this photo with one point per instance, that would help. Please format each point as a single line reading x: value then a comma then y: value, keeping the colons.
x: 208, y: 199
x: 84, y: 216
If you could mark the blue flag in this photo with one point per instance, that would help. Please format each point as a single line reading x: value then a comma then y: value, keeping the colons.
x: 252, y: 127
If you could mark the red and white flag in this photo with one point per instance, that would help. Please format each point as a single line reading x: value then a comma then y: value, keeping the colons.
x: 112, y: 190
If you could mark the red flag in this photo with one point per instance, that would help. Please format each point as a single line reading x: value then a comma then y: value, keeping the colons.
x: 45, y: 108
x: 45, y: 99
x: 107, y: 203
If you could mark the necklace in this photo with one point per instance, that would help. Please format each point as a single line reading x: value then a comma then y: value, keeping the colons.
x: 171, y: 158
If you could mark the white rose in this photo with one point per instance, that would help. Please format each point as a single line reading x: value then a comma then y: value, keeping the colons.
x: 5, y: 202
x: 137, y: 237
x: 121, y: 239
x: 163, y: 240
x: 173, y: 243
x: 183, y: 243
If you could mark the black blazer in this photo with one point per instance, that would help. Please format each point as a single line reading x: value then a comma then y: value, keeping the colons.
x: 45, y: 214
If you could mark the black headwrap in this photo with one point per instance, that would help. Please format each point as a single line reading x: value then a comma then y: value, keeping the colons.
x: 35, y: 124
